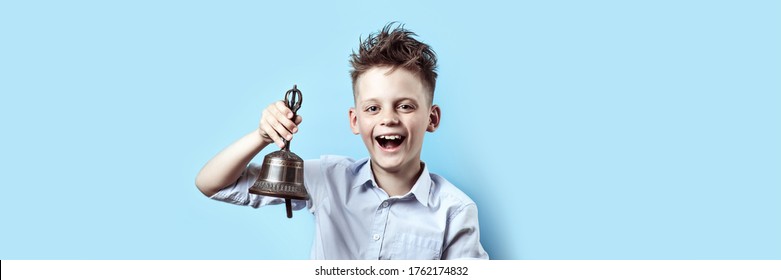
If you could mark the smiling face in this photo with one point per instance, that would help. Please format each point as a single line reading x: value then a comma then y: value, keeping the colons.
x: 392, y: 113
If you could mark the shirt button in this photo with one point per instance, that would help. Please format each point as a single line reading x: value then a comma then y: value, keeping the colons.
x: 376, y: 237
x: 385, y: 204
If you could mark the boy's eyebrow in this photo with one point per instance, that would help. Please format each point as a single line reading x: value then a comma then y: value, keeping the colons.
x: 372, y: 100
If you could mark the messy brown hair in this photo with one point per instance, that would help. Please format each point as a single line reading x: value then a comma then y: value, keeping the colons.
x: 396, y: 47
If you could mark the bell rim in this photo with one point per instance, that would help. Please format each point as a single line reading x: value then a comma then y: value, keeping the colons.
x: 277, y: 194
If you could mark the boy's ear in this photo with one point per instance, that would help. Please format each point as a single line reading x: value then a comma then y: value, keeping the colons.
x: 433, y: 119
x: 354, y: 121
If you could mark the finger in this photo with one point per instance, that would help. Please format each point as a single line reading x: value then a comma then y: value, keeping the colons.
x: 282, y: 108
x: 267, y: 118
x: 271, y: 133
x: 284, y: 121
x: 298, y: 120
x: 268, y: 133
x: 280, y: 128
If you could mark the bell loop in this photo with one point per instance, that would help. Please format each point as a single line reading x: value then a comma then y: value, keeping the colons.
x: 293, y: 99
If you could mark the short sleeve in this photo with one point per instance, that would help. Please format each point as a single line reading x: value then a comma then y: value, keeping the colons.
x: 463, y: 235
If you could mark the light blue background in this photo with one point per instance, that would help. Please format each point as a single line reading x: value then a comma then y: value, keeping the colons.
x: 582, y: 129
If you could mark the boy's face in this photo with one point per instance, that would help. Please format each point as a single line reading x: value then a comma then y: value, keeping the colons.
x: 392, y: 113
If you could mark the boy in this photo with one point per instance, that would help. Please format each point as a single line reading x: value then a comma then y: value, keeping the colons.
x: 387, y: 206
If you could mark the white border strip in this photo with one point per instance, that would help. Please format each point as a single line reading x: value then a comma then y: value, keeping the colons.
x: 249, y: 269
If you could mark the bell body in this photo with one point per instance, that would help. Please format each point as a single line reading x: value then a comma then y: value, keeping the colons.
x: 282, y: 175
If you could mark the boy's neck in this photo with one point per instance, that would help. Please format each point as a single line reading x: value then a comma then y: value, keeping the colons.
x: 397, y: 183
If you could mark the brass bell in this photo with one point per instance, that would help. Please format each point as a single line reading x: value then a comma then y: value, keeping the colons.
x: 282, y: 173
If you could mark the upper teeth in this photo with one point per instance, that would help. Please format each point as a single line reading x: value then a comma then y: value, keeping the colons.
x: 390, y: 137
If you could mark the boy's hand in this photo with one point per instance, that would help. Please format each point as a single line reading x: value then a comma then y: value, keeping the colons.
x: 275, y: 124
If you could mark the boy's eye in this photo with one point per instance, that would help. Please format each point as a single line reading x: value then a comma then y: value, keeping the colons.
x: 372, y: 109
x: 406, y: 107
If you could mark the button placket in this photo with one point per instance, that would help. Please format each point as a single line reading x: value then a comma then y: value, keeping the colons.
x: 383, y: 212
x: 377, y: 232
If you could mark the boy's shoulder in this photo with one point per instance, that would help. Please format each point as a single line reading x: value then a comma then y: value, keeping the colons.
x: 337, y: 161
x: 334, y: 167
x: 446, y: 192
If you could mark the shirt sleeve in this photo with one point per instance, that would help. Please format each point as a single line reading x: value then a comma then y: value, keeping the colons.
x: 463, y: 236
x: 238, y: 192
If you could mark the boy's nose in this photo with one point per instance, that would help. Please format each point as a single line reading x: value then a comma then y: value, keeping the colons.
x: 389, y: 119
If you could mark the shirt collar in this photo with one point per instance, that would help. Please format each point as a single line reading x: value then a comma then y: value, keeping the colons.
x: 421, y: 188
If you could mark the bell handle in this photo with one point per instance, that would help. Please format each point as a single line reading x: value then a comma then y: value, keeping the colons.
x: 288, y: 208
x: 293, y: 100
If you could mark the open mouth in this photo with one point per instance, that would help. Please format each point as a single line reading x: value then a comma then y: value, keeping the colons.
x: 389, y: 142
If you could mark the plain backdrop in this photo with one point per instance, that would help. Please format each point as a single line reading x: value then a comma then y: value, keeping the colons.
x: 582, y: 129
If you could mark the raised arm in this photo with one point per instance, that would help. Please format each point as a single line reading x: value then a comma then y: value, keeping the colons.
x: 226, y: 167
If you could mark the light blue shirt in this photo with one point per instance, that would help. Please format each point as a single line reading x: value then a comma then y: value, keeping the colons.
x: 355, y: 219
